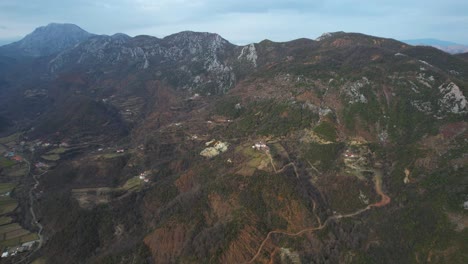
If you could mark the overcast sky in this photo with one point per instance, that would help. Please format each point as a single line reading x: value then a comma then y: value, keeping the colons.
x: 243, y: 21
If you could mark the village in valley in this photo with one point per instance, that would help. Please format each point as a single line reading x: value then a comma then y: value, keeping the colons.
x: 14, y: 172
x: 22, y: 163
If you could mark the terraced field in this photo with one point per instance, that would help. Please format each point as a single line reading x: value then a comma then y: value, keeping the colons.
x: 90, y: 197
x: 11, y: 233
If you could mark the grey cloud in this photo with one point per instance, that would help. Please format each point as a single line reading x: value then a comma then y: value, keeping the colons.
x: 238, y: 19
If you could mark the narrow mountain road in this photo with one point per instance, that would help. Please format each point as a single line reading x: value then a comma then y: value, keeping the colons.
x: 31, y: 209
x: 34, y: 221
x: 385, y: 199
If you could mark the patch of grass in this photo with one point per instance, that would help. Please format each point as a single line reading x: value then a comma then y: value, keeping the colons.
x: 111, y: 155
x: 6, y: 187
x: 39, y: 261
x: 16, y: 233
x: 10, y: 138
x: 253, y: 159
x: 13, y: 239
x: 6, y: 163
x: 5, y: 220
x: 52, y: 157
x: 29, y: 237
x: 57, y: 151
x: 8, y: 206
x: 9, y: 228
x: 132, y: 183
x: 17, y: 171
x: 11, y: 242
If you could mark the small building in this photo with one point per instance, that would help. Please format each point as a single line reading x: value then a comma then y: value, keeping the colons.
x: 22, y: 249
x: 349, y: 154
x: 41, y: 165
x: 17, y: 158
x: 120, y: 151
x: 29, y: 245
x: 5, y: 254
x: 260, y: 146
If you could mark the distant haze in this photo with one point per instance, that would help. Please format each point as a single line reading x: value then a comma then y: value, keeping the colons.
x: 447, y: 46
x: 242, y: 21
x: 430, y: 41
x: 7, y: 41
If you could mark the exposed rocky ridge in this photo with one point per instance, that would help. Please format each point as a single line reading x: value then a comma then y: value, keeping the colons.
x: 194, y: 61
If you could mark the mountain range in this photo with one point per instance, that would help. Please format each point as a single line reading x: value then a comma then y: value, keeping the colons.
x: 447, y: 46
x: 189, y: 149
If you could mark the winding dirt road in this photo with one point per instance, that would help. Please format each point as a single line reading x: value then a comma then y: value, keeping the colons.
x: 385, y: 199
x: 31, y: 210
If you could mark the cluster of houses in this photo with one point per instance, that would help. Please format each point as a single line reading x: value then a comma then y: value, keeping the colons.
x: 350, y: 154
x: 41, y: 165
x: 12, y: 156
x: 11, y: 252
x: 46, y: 144
x: 261, y: 146
x: 144, y: 176
x: 37, y: 144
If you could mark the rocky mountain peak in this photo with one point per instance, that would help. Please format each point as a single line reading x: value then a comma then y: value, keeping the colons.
x: 196, y: 42
x: 328, y: 35
x: 46, y: 40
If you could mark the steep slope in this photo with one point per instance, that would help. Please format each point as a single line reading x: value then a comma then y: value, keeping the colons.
x: 192, y: 61
x: 46, y: 40
x: 188, y: 149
